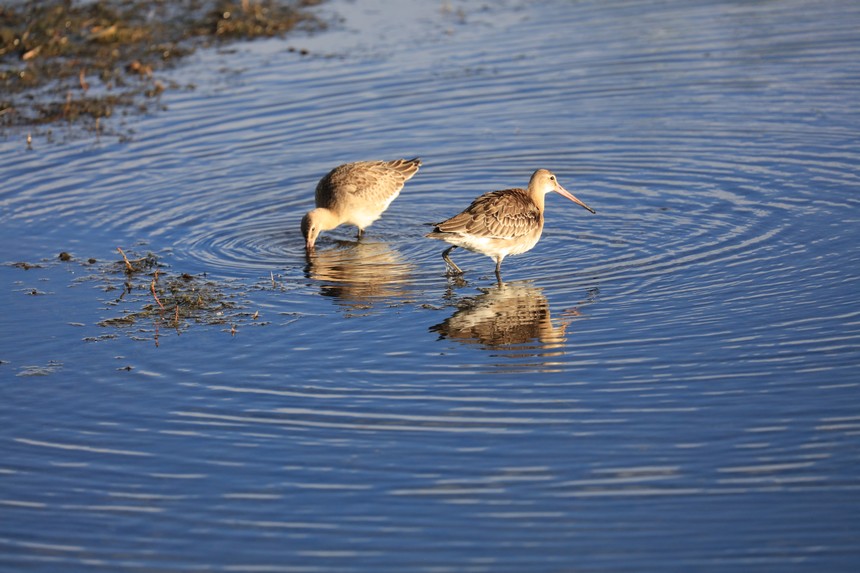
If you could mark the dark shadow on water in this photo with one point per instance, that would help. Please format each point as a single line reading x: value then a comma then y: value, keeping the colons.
x: 513, y: 320
x: 361, y: 275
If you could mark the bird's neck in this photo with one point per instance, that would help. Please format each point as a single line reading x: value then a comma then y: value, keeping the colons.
x: 326, y: 219
x: 538, y: 199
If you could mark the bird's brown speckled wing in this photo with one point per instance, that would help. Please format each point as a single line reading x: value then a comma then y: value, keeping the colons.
x: 505, y: 214
x: 372, y: 182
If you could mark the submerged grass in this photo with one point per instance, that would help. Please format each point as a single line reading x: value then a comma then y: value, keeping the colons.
x: 147, y: 299
x: 80, y: 62
x: 153, y: 297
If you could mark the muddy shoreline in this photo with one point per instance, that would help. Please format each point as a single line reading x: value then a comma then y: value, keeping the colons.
x: 79, y: 63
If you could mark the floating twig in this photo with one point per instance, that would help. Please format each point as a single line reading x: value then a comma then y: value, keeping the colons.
x: 30, y: 54
x: 152, y: 288
x: 68, y: 105
x: 128, y: 266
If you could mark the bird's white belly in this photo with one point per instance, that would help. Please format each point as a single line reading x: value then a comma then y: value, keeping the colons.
x: 494, y: 247
x: 364, y: 218
x: 363, y: 214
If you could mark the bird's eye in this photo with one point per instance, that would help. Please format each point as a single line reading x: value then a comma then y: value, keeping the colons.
x: 552, y: 177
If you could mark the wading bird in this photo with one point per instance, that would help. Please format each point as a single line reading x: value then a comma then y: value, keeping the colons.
x: 356, y: 194
x: 501, y: 223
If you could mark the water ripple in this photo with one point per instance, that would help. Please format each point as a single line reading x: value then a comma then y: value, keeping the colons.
x: 692, y: 345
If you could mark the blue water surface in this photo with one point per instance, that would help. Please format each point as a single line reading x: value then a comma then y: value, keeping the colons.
x: 668, y: 385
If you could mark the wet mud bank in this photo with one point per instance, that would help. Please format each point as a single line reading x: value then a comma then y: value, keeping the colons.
x: 81, y: 62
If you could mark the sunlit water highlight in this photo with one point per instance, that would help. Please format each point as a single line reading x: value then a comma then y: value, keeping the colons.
x: 670, y: 384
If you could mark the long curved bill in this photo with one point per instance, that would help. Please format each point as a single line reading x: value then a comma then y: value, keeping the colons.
x: 565, y: 193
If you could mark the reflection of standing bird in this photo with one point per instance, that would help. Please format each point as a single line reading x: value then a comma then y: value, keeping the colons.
x: 503, y: 317
x: 356, y: 194
x: 501, y: 223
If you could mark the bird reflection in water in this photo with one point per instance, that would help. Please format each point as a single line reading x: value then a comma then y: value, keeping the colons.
x: 361, y: 274
x: 512, y: 319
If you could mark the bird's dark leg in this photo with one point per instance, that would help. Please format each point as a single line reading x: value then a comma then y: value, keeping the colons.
x: 449, y: 262
x: 499, y: 270
x: 360, y: 233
